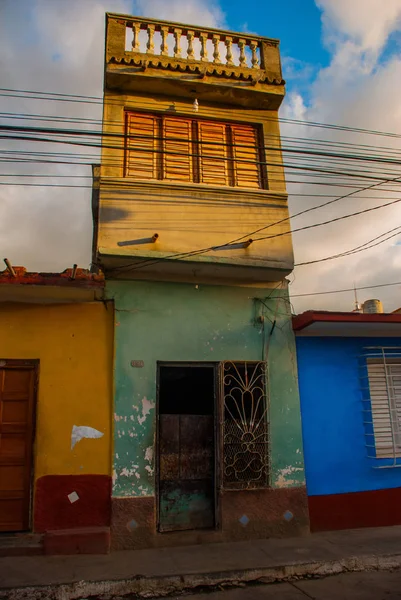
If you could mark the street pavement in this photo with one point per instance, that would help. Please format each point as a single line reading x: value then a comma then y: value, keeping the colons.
x: 378, y: 585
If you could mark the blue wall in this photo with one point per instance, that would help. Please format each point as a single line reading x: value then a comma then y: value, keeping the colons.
x: 336, y: 459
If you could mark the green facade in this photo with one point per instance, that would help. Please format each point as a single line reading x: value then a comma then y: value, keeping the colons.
x: 181, y: 322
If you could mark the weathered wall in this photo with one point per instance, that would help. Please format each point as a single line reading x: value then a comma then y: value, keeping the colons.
x: 191, y: 216
x: 339, y: 473
x: 183, y: 322
x: 74, y: 345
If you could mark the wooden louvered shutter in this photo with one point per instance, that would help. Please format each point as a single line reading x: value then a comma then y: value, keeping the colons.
x: 246, y: 167
x: 143, y: 156
x: 213, y: 163
x: 385, y: 397
x: 177, y: 146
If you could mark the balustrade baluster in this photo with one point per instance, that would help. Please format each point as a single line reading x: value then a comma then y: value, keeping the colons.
x: 255, y: 60
x: 203, y: 53
x: 164, y: 31
x: 151, y: 44
x: 229, y: 55
x: 177, y: 47
x: 216, y: 53
x: 190, y: 51
x: 242, y: 56
x: 135, y: 37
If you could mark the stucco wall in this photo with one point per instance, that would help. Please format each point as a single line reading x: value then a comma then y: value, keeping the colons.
x: 184, y: 322
x: 74, y: 345
x: 336, y: 459
x: 191, y: 216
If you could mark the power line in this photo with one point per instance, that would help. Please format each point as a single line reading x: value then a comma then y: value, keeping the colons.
x: 151, y: 262
x: 360, y: 248
x: 334, y: 220
x: 366, y: 287
x: 62, y: 97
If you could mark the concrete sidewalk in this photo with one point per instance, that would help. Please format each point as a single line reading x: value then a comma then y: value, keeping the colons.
x: 162, y: 571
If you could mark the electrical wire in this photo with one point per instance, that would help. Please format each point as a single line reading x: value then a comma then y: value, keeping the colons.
x: 64, y: 97
x: 361, y: 248
x: 366, y: 287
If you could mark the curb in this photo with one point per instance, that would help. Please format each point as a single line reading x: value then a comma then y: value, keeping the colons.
x: 161, y: 586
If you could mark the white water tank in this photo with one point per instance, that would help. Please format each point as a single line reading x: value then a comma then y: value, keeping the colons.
x: 372, y: 306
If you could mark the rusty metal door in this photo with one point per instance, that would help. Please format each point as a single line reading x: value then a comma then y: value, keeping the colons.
x: 186, y: 453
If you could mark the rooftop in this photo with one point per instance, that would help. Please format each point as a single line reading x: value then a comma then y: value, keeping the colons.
x: 320, y: 323
x: 72, y: 285
x: 199, y: 58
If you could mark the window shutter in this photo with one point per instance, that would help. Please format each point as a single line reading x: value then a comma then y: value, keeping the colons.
x: 177, y: 157
x: 246, y: 156
x: 213, y: 164
x: 143, y: 158
x: 385, y: 396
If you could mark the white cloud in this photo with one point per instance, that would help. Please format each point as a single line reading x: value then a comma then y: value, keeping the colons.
x: 361, y: 89
x: 59, y: 47
x: 365, y: 23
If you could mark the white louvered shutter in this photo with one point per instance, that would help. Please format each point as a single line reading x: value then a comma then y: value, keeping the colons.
x: 385, y: 396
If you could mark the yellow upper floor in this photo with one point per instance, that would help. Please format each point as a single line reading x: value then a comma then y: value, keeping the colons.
x: 191, y: 174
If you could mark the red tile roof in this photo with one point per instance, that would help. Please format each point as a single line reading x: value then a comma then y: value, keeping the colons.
x: 83, y: 278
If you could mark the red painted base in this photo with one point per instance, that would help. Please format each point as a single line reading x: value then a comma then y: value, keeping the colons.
x: 53, y: 510
x: 378, y: 508
x: 87, y: 540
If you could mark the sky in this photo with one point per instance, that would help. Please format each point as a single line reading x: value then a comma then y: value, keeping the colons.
x: 342, y: 63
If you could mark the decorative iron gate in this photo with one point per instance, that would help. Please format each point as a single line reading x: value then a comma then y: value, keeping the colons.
x: 244, y: 425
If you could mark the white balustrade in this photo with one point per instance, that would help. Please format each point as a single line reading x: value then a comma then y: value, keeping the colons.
x: 239, y: 51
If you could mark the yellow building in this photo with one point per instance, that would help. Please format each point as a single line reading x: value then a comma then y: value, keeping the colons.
x: 56, y: 345
x: 191, y: 155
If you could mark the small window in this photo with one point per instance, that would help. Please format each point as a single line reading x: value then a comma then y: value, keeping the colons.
x: 384, y: 375
x: 245, y: 426
x: 163, y: 147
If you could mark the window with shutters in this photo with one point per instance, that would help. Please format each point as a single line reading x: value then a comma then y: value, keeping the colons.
x: 162, y: 147
x: 384, y: 377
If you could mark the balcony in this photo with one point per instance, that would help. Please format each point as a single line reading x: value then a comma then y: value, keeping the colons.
x: 152, y: 56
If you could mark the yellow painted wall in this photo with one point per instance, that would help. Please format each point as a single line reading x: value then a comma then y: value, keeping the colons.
x: 191, y: 216
x: 74, y: 344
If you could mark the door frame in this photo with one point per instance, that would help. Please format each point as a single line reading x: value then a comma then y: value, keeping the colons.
x: 217, y: 450
x: 29, y: 364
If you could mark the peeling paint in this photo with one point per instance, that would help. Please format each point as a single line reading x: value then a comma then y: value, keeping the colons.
x: 177, y: 325
x: 147, y: 406
x: 283, y: 477
x: 80, y: 432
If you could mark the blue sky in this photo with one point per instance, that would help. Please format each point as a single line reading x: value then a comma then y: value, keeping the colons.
x: 296, y: 23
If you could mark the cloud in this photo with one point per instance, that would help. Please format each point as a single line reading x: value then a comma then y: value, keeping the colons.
x: 360, y: 88
x: 59, y: 47
x: 366, y: 24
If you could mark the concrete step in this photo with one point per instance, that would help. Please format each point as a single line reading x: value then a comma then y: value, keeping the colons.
x: 21, y: 544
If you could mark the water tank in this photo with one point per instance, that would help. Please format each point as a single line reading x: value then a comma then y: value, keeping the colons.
x: 372, y: 306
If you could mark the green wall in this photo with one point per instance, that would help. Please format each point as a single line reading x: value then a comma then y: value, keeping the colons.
x: 156, y: 321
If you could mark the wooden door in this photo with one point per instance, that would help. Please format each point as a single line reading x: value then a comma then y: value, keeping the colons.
x: 186, y: 478
x: 17, y: 392
x: 186, y: 444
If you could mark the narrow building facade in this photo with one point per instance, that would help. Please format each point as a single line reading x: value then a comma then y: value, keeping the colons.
x: 56, y: 356
x: 192, y: 231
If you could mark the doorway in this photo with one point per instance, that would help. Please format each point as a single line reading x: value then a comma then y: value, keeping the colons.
x: 186, y: 447
x: 17, y: 398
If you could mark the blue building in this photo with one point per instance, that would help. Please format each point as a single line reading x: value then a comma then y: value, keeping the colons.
x: 349, y: 368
